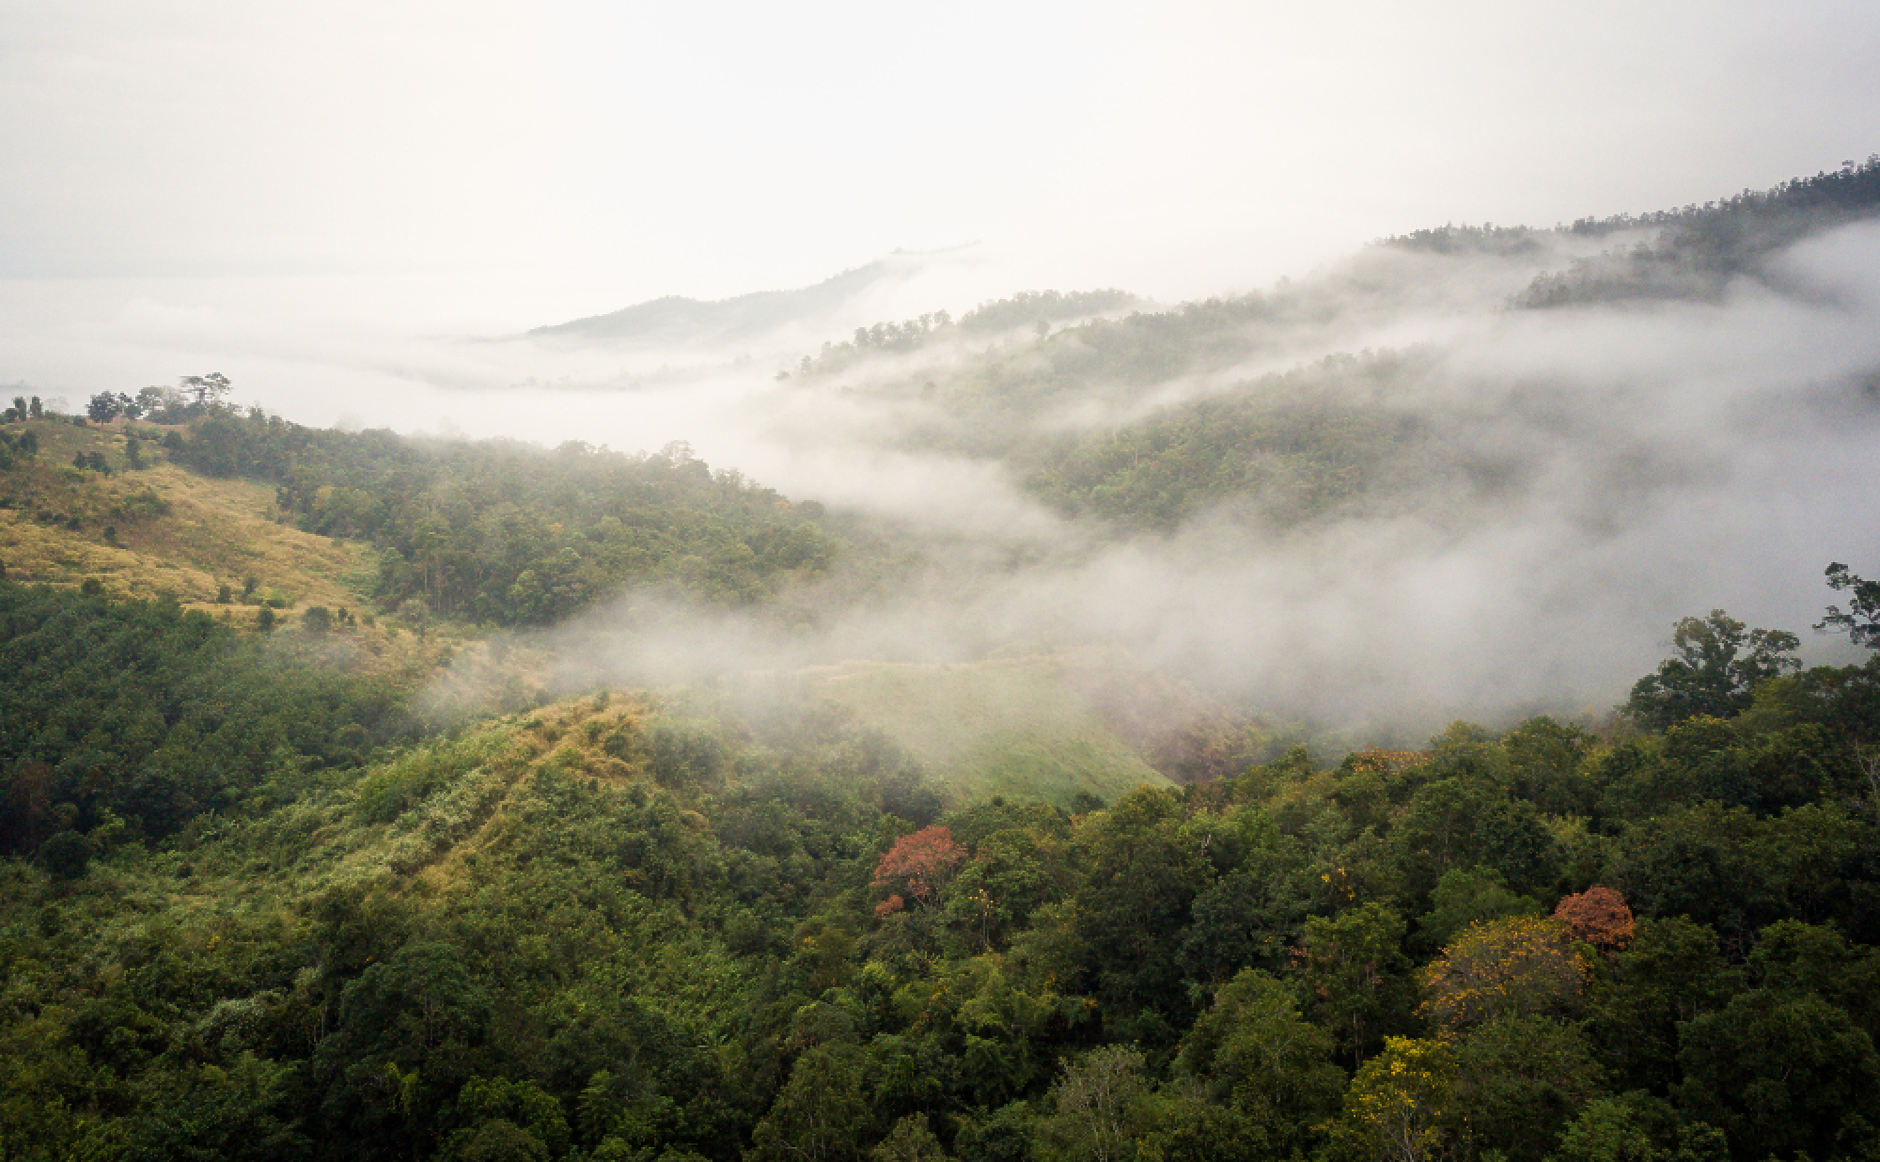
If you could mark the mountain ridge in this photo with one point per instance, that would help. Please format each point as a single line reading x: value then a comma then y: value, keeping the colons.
x: 681, y: 319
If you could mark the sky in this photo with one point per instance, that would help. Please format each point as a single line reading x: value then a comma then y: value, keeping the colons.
x: 489, y: 165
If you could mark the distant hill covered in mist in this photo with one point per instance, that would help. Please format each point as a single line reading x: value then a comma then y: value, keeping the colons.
x: 1274, y: 407
x: 677, y: 320
x: 1698, y: 249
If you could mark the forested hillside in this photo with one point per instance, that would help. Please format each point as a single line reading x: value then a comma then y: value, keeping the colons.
x: 1286, y: 449
x: 1698, y: 249
x: 509, y: 534
x: 135, y: 718
x: 612, y: 928
x: 1150, y: 417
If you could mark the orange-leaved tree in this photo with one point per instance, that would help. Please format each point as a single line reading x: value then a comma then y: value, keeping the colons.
x: 921, y: 864
x: 1515, y: 967
x: 1598, y: 916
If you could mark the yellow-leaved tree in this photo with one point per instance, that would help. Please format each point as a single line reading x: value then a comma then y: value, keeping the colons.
x: 1519, y: 966
x: 1395, y: 1104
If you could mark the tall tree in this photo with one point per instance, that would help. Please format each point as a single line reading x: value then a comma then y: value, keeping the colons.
x: 1861, y: 622
x: 1255, y: 1053
x: 1099, y: 1108
x: 1356, y: 976
x: 1718, y: 663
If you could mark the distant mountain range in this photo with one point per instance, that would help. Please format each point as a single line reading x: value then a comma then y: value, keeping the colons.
x: 674, y: 319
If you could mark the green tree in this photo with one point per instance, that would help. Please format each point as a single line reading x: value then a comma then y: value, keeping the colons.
x: 65, y: 855
x: 496, y: 1140
x: 1001, y: 1135
x: 1781, y: 1076
x: 241, y: 1111
x: 1861, y: 622
x: 821, y: 1112
x: 1519, y: 1081
x: 160, y: 404
x: 1099, y: 1108
x: 502, y: 1113
x: 1637, y: 1127
x: 1670, y: 974
x: 1254, y: 914
x: 1466, y: 822
x: 1010, y: 875
x: 1254, y: 1052
x: 909, y: 1141
x: 1466, y: 897
x: 104, y: 407
x: 1794, y: 958
x: 1141, y: 875
x: 1355, y: 977
x: 206, y: 391
x: 1544, y: 759
x: 1718, y: 663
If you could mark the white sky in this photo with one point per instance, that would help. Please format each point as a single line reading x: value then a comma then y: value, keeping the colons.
x: 535, y: 161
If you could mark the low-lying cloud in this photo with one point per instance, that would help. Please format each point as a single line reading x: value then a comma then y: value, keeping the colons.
x: 1650, y: 460
x: 1664, y: 459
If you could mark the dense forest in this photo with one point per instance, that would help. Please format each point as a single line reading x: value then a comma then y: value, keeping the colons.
x: 615, y: 928
x: 137, y: 717
x: 504, y: 534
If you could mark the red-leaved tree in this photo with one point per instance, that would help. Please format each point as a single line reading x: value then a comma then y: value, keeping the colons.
x: 921, y: 865
x: 1598, y: 916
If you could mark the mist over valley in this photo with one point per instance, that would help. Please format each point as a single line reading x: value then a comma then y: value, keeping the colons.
x: 1300, y: 501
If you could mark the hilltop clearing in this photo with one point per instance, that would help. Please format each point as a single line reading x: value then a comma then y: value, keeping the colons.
x: 146, y: 527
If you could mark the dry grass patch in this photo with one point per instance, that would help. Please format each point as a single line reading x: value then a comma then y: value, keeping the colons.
x: 160, y: 531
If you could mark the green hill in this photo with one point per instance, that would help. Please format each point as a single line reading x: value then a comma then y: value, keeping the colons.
x: 610, y: 929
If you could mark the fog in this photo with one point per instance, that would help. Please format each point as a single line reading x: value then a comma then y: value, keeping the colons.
x: 1656, y: 460
x: 1667, y: 458
x: 363, y: 215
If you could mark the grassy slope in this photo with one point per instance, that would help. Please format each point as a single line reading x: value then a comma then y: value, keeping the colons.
x: 1007, y: 726
x: 410, y: 823
x: 216, y: 531
x: 183, y: 536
